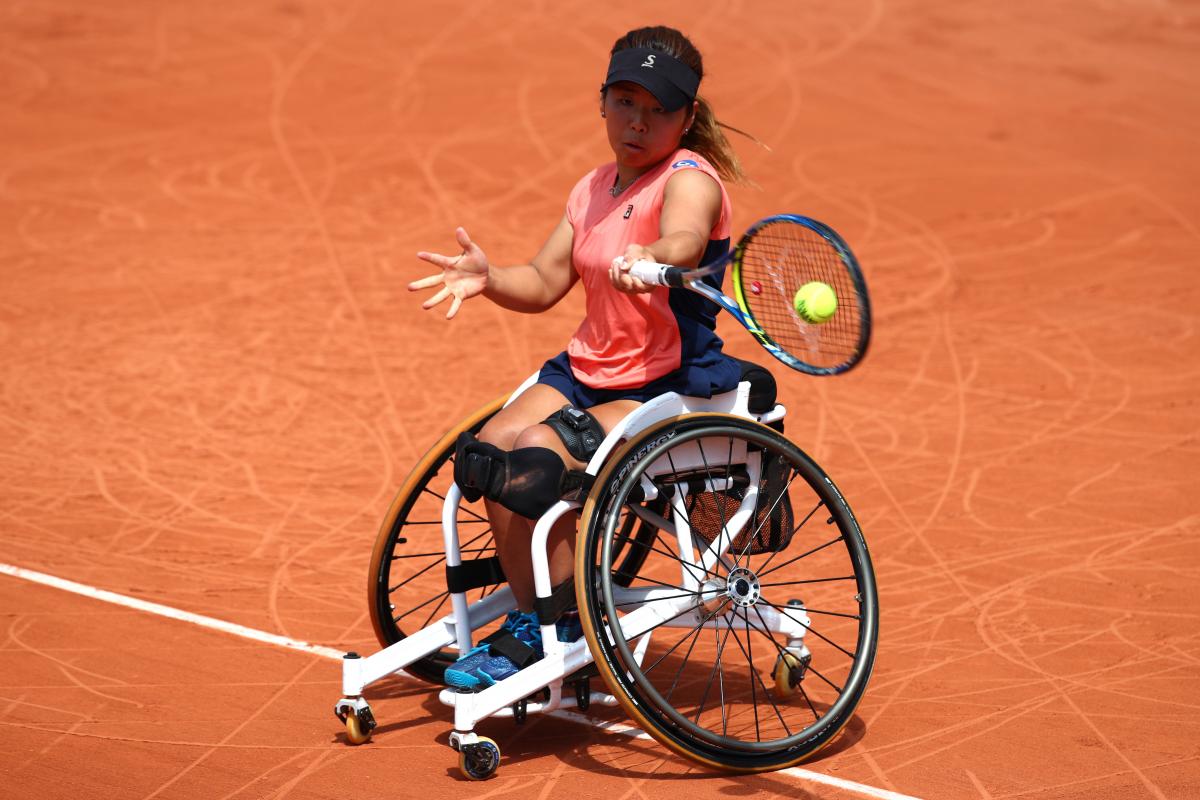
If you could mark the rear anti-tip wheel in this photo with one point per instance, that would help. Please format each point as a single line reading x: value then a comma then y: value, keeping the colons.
x: 789, y: 671
x: 480, y: 759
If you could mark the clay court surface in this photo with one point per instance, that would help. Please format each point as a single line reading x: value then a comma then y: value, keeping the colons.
x: 212, y: 380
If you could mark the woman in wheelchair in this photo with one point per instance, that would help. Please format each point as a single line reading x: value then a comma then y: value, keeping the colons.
x: 661, y: 199
x: 725, y: 593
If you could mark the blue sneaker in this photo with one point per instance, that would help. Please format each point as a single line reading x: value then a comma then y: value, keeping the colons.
x: 501, y: 655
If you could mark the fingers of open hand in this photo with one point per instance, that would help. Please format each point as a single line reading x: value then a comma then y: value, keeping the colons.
x: 439, y: 260
x: 441, y: 295
x: 426, y: 283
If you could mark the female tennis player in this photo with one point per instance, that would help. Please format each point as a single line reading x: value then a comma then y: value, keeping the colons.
x: 662, y: 199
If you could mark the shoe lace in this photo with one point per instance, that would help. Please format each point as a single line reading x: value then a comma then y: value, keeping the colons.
x: 524, y: 627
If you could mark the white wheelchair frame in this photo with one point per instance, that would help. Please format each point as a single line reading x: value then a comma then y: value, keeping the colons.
x: 511, y: 697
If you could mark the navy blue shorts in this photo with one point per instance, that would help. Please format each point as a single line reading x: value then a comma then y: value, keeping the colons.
x: 720, y: 374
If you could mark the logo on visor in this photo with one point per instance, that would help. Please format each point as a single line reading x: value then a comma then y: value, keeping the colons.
x: 649, y: 62
x: 687, y: 162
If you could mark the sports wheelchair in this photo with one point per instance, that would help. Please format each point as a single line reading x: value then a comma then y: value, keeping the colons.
x: 726, y: 594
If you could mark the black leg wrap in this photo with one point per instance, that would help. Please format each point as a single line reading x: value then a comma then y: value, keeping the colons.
x: 526, y: 481
x: 535, y: 481
x: 579, y: 431
x: 562, y: 597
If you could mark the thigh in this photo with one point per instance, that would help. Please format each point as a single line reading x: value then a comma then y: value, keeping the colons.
x: 609, y: 414
x: 541, y: 435
x: 531, y: 407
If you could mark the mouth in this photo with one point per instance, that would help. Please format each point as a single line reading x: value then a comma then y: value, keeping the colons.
x: 637, y: 148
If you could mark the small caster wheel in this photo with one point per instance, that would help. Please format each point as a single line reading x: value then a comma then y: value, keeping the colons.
x: 583, y: 694
x: 479, y: 760
x: 359, y: 724
x: 356, y: 731
x: 789, y: 672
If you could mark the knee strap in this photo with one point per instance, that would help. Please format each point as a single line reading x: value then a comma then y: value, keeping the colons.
x: 478, y: 467
x: 579, y: 431
x: 526, y: 481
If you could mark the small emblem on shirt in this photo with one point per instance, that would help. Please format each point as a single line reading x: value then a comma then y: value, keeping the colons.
x: 687, y: 162
x: 629, y: 211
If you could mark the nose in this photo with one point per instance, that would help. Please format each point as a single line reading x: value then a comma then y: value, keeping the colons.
x: 637, y: 120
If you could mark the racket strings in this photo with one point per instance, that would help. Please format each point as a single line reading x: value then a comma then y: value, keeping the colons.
x: 777, y: 261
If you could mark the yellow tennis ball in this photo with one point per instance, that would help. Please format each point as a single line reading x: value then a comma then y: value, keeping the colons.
x: 815, y: 302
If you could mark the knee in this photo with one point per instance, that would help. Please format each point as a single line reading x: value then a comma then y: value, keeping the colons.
x: 538, y: 436
x: 501, y: 433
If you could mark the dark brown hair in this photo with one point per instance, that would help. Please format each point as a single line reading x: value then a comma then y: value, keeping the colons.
x: 705, y: 135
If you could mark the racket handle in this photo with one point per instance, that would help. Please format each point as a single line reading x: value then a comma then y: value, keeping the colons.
x: 654, y: 274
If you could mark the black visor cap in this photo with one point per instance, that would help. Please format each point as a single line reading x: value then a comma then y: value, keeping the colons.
x: 671, y: 81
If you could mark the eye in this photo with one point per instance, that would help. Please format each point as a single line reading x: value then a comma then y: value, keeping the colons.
x: 625, y: 101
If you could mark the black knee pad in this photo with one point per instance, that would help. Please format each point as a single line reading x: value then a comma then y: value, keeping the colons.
x: 579, y: 431
x: 535, y: 481
x: 526, y: 481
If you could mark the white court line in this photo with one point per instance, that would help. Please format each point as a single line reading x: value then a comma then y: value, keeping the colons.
x: 797, y: 772
x: 167, y: 611
x: 335, y: 654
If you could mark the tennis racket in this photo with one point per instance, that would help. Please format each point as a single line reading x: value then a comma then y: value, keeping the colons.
x: 774, y: 258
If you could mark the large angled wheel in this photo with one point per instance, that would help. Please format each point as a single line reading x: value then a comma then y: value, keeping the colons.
x: 757, y: 658
x: 407, y: 589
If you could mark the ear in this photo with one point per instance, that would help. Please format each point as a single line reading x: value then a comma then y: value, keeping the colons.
x: 691, y: 117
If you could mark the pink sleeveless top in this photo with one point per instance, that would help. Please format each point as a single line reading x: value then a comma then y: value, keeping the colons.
x: 627, y: 340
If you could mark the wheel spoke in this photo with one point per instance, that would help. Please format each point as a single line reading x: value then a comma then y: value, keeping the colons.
x: 688, y: 635
x: 669, y: 553
x: 643, y: 601
x: 422, y: 605
x: 695, y: 637
x: 753, y: 685
x: 442, y: 497
x: 750, y: 539
x: 763, y: 569
x: 433, y: 564
x: 757, y: 677
x: 836, y: 688
x: 814, y: 611
x: 713, y: 674
x: 808, y: 580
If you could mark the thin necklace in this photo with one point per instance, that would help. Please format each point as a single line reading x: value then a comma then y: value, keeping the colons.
x: 616, y: 188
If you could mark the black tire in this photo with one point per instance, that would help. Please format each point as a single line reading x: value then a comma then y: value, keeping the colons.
x: 407, y: 586
x: 708, y: 691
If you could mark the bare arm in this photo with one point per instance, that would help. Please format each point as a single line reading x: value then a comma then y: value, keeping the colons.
x: 691, y: 207
x: 529, y: 287
x: 538, y: 285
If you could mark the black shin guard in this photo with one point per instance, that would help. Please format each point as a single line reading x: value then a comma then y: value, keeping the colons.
x: 526, y: 481
x: 535, y: 481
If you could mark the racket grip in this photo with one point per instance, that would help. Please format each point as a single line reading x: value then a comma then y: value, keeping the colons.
x: 654, y: 274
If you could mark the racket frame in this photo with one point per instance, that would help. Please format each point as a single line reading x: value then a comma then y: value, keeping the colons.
x: 738, y: 307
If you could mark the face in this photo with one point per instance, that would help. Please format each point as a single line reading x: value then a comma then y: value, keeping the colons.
x: 640, y: 132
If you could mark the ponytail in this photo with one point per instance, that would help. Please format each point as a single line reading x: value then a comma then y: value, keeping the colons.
x: 706, y: 138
